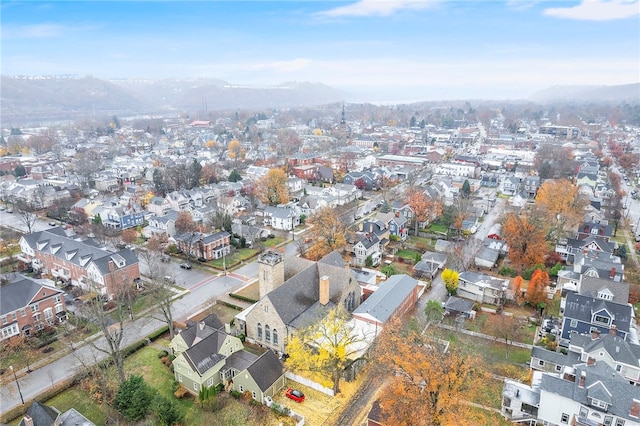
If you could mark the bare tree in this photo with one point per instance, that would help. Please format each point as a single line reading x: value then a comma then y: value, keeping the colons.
x: 112, y: 325
x: 27, y: 215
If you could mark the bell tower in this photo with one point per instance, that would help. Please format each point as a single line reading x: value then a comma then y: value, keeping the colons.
x: 270, y: 271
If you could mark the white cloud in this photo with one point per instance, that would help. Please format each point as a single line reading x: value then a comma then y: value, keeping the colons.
x: 597, y: 10
x: 32, y: 31
x: 378, y: 7
x: 284, y: 66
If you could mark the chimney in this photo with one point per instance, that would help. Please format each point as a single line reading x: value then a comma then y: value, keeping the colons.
x: 324, y: 290
x: 613, y: 273
x: 583, y: 376
x: 595, y: 334
x: 612, y: 330
x: 591, y: 361
x: 28, y: 421
x: 201, y: 325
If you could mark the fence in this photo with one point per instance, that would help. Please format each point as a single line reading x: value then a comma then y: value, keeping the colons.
x: 309, y: 383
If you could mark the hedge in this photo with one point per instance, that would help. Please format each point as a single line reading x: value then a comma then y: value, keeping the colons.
x: 230, y: 305
x: 240, y: 297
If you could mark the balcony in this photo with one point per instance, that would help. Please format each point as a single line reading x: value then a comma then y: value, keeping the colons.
x: 60, y: 273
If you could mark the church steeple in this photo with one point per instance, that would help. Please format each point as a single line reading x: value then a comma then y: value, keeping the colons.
x: 342, y: 120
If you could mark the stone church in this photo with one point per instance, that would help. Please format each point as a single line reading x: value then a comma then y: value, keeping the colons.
x: 295, y: 293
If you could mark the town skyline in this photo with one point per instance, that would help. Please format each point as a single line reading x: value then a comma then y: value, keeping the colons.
x: 395, y: 51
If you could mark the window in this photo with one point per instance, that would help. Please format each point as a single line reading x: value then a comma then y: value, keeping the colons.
x: 254, y: 395
x: 210, y: 382
x: 564, y: 418
x: 14, y: 316
x: 196, y: 387
x: 574, y: 323
x: 558, y: 368
x: 23, y: 312
x: 619, y: 422
x: 4, y: 320
x: 618, y: 368
x: 267, y: 333
x: 275, y: 336
x: 180, y: 377
x: 584, y: 412
x: 608, y: 421
x: 601, y: 319
x: 540, y: 362
x: 599, y: 404
x: 59, y: 308
x: 48, y: 313
x: 34, y: 307
x: 241, y: 388
x: 259, y: 331
x: 266, y: 308
x: 57, y: 299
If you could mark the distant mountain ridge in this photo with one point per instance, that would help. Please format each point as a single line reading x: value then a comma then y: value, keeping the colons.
x: 30, y: 100
x: 617, y: 93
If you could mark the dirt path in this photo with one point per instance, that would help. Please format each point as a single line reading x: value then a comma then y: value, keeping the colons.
x: 357, y: 408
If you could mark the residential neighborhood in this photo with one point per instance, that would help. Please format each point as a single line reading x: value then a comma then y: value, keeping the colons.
x: 239, y: 247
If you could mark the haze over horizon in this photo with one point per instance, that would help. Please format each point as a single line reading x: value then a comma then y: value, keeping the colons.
x: 381, y: 51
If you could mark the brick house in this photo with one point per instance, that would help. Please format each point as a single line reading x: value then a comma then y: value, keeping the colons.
x: 80, y: 263
x: 207, y: 246
x: 27, y: 305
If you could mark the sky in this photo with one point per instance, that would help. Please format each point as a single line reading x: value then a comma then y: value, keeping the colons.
x: 375, y: 50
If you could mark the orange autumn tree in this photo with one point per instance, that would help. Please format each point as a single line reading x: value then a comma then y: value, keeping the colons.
x: 428, y: 385
x: 516, y: 286
x: 562, y: 206
x: 423, y: 207
x: 272, y: 188
x: 536, y: 290
x: 525, y: 239
x: 328, y: 233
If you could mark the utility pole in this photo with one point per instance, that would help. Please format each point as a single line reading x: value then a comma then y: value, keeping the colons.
x: 17, y: 383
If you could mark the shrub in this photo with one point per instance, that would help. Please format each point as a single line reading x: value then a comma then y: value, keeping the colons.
x: 166, y: 411
x: 271, y: 236
x: 181, y: 392
x: 162, y: 353
x: 236, y: 394
x: 242, y: 337
x: 240, y: 297
x: 247, y: 396
x: 133, y: 398
x: 507, y: 271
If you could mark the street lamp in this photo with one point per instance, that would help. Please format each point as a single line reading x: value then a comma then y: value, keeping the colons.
x: 17, y: 383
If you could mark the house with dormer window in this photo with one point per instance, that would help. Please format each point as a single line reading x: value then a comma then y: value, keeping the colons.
x: 206, y: 356
x: 584, y: 315
x: 85, y: 264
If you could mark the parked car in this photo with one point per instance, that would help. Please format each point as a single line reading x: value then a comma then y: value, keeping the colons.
x: 9, y: 210
x: 185, y: 265
x: 52, y: 223
x: 295, y: 394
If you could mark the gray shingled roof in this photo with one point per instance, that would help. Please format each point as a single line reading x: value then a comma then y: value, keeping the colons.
x: 266, y: 370
x: 240, y: 360
x: 612, y: 388
x: 619, y: 349
x: 301, y: 291
x: 384, y: 301
x: 204, y: 355
x: 590, y: 286
x: 41, y: 415
x: 582, y: 308
x: 21, y: 292
x: 55, y: 242
x: 193, y: 330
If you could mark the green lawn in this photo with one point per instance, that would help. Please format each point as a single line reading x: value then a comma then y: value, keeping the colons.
x: 236, y: 257
x: 437, y: 228
x: 272, y: 242
x: 408, y: 254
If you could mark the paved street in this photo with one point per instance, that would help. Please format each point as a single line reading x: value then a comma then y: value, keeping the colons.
x: 65, y: 367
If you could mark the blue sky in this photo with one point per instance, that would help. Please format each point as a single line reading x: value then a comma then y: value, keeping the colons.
x: 400, y: 50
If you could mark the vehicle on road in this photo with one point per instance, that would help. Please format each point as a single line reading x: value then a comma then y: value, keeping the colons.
x: 9, y: 210
x: 295, y: 394
x: 185, y: 265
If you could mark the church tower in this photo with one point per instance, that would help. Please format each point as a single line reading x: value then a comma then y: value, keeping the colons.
x: 270, y: 271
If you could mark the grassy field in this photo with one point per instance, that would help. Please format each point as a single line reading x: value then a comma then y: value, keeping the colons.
x: 252, y: 291
x: 235, y: 258
x: 408, y: 254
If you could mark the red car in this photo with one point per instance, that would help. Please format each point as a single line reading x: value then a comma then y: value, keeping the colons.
x: 296, y: 395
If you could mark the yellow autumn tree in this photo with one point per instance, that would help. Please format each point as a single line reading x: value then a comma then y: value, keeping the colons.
x: 430, y: 382
x: 450, y: 279
x: 236, y: 151
x: 326, y: 348
x: 562, y: 206
x: 327, y: 232
x: 272, y: 188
